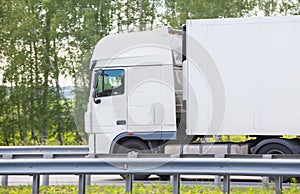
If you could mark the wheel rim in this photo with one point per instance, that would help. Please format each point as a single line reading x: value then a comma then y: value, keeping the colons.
x: 275, y: 151
x: 133, y: 151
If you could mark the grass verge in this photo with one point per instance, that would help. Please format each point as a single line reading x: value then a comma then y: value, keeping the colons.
x: 140, y: 188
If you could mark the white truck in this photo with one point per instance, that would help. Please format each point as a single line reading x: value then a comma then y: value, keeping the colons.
x: 162, y: 91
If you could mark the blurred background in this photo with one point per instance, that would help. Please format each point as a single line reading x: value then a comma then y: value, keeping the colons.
x: 45, y: 50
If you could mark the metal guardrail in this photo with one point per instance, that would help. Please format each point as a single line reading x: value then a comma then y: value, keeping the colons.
x: 160, y: 166
x: 40, y: 150
x: 49, y: 152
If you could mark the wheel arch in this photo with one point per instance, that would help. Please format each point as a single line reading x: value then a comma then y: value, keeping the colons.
x: 122, y: 138
x: 152, y: 139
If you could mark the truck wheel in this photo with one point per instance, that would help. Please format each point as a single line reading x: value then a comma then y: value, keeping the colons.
x: 133, y: 146
x: 275, y: 149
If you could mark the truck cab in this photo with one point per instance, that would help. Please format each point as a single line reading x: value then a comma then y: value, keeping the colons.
x: 136, y: 81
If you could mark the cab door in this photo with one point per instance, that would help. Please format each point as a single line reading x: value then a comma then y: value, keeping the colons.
x: 109, y: 106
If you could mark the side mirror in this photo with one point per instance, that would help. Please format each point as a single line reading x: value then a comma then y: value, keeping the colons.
x: 97, y: 101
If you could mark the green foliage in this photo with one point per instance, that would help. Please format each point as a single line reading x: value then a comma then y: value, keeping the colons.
x: 43, y: 41
x: 279, y: 7
x: 234, y: 138
x: 140, y: 188
x: 33, y: 44
x: 179, y: 10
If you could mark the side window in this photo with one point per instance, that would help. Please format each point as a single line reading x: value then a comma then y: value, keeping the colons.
x: 110, y: 82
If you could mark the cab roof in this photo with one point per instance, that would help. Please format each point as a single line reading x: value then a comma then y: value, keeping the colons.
x: 137, y: 48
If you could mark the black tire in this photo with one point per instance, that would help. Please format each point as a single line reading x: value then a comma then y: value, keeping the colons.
x: 136, y: 146
x: 275, y: 149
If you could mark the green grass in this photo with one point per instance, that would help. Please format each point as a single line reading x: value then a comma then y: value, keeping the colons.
x: 140, y: 188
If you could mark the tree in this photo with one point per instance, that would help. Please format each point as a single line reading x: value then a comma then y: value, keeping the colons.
x: 278, y: 7
x: 45, y: 40
x: 32, y: 45
x: 178, y: 11
x: 42, y: 41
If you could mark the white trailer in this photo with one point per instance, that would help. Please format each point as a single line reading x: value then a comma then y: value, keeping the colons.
x: 243, y: 76
x: 159, y: 91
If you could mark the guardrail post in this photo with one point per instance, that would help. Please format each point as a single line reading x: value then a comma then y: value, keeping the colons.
x: 266, y: 179
x: 176, y: 184
x: 226, y: 184
x: 171, y: 179
x: 278, y: 184
x: 46, y: 177
x: 129, y: 182
x: 81, y: 186
x: 89, y: 177
x: 4, y: 179
x: 36, y: 184
x: 217, y: 181
x: 88, y: 180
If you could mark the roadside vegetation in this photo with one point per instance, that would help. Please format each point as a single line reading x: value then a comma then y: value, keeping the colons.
x: 140, y: 188
x: 43, y: 42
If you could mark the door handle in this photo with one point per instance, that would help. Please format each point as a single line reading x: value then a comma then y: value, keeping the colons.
x: 121, y: 122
